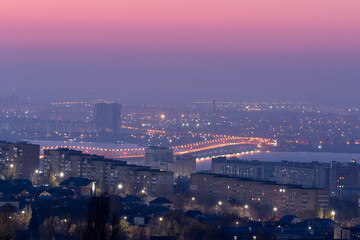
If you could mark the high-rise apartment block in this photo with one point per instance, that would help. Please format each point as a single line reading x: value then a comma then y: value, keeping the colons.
x: 108, y: 117
x: 20, y: 159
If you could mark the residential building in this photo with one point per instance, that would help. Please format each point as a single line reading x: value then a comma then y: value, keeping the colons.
x: 156, y: 157
x: 341, y: 179
x: 114, y: 175
x: 20, y: 159
x: 108, y: 117
x: 287, y: 199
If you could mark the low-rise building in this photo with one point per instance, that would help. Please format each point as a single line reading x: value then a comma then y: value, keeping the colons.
x: 82, y: 187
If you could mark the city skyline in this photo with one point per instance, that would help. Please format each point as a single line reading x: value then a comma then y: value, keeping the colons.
x: 179, y: 120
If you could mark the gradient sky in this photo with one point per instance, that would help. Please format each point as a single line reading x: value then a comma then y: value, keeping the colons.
x: 181, y: 49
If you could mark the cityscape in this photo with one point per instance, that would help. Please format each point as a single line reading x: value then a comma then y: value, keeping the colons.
x: 130, y: 120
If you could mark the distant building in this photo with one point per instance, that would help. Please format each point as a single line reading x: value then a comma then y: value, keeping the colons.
x: 114, y: 175
x: 184, y: 166
x: 108, y: 117
x: 20, y: 159
x: 306, y: 174
x: 163, y: 158
x: 241, y: 168
x: 341, y: 179
x: 157, y: 156
x: 287, y: 199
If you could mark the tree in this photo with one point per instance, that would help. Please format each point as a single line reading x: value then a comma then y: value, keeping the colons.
x: 97, y: 218
x: 50, y: 227
x: 34, y: 226
x: 138, y: 233
x: 100, y: 190
x: 52, y: 180
x: 11, y: 174
x: 123, y: 230
x: 23, y: 218
x: 77, y: 228
x: 7, y: 222
x: 193, y: 230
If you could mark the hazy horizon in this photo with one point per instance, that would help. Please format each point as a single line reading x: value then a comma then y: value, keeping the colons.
x: 181, y: 51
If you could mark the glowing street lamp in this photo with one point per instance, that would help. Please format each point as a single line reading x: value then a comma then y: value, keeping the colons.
x: 274, y: 210
x: 219, y: 206
x: 246, y: 206
x: 61, y: 174
x: 120, y: 186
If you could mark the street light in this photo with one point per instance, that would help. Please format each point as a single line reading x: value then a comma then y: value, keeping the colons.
x: 219, y: 206
x: 61, y: 174
x: 160, y: 219
x: 120, y: 186
x: 333, y: 214
x: 274, y: 210
x: 193, y: 198
x: 246, y: 206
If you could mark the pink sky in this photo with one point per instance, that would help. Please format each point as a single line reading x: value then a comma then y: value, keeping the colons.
x: 304, y: 49
x: 182, y: 25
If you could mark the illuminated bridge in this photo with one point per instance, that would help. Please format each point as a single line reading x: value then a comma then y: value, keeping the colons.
x: 137, y: 152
